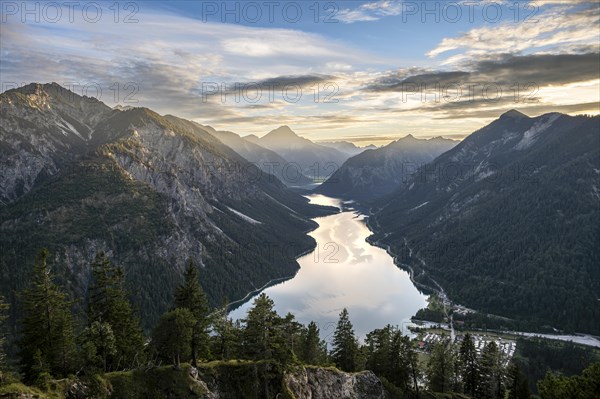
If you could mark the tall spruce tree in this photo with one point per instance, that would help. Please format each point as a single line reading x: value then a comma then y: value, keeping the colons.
x: 345, y: 346
x: 3, y: 310
x: 290, y: 330
x: 313, y: 349
x: 226, y: 338
x: 491, y: 373
x: 469, y: 365
x: 190, y: 295
x: 109, y: 303
x: 404, y: 363
x: 378, y: 345
x: 173, y: 335
x: 48, y: 340
x: 440, y: 368
x: 518, y: 386
x: 97, y: 345
x: 262, y: 337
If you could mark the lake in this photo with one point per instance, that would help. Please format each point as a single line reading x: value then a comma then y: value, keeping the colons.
x: 345, y: 270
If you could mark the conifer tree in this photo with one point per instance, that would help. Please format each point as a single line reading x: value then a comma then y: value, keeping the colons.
x: 491, y: 373
x: 290, y: 334
x: 518, y: 386
x: 345, y: 346
x: 469, y: 365
x: 190, y: 295
x: 48, y: 340
x: 262, y: 336
x: 3, y: 310
x: 404, y: 363
x: 226, y: 337
x: 313, y: 349
x: 109, y: 303
x: 173, y: 335
x: 379, y: 352
x: 440, y: 368
x: 97, y: 345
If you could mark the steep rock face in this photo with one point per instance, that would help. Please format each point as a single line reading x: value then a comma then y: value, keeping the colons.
x: 43, y: 127
x: 319, y: 383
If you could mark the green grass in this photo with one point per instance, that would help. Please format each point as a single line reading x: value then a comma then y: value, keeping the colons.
x: 157, y: 383
x: 16, y: 388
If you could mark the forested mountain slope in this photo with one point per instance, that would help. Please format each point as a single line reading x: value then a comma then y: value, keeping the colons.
x: 377, y: 172
x: 507, y: 221
x: 149, y: 190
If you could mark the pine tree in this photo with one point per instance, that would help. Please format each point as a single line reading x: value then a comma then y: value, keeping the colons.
x: 440, y: 368
x: 412, y: 361
x: 3, y: 311
x: 404, y: 362
x: 585, y: 386
x: 469, y: 366
x: 109, y: 303
x: 313, y: 349
x: 261, y: 336
x: 47, y: 343
x: 190, y: 295
x: 290, y: 330
x: 345, y: 346
x: 379, y: 352
x: 491, y: 373
x: 518, y: 386
x: 97, y: 345
x: 173, y: 335
x: 226, y: 337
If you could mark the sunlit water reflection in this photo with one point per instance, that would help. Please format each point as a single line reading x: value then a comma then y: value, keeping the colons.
x: 344, y: 270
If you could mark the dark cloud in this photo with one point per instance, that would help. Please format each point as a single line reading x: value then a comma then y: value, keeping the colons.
x: 539, y: 69
x: 277, y: 83
x: 488, y: 87
x: 325, y: 121
x: 531, y: 110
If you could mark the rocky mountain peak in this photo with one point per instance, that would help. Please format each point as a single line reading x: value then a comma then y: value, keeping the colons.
x: 282, y: 132
x: 514, y: 114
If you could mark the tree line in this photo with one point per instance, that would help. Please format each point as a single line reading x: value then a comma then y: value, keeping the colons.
x: 54, y: 343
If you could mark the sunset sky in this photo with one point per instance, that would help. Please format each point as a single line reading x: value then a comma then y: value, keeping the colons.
x: 368, y: 72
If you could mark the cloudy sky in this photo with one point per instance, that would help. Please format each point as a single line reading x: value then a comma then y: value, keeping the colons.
x: 366, y: 71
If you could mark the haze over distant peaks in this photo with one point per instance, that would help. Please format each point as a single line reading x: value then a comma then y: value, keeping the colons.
x: 282, y: 131
x: 378, y: 172
x: 313, y: 160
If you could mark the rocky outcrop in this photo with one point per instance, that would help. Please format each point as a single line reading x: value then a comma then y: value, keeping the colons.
x: 267, y: 380
x: 329, y: 383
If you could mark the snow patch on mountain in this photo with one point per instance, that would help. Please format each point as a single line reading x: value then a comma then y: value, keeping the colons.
x: 244, y: 217
x: 530, y: 136
x: 419, y: 206
x: 66, y: 127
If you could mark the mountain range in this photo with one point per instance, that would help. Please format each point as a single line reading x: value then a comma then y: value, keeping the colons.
x: 346, y: 146
x: 377, y: 172
x: 151, y: 191
x: 262, y: 158
x: 507, y: 220
x: 313, y: 160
